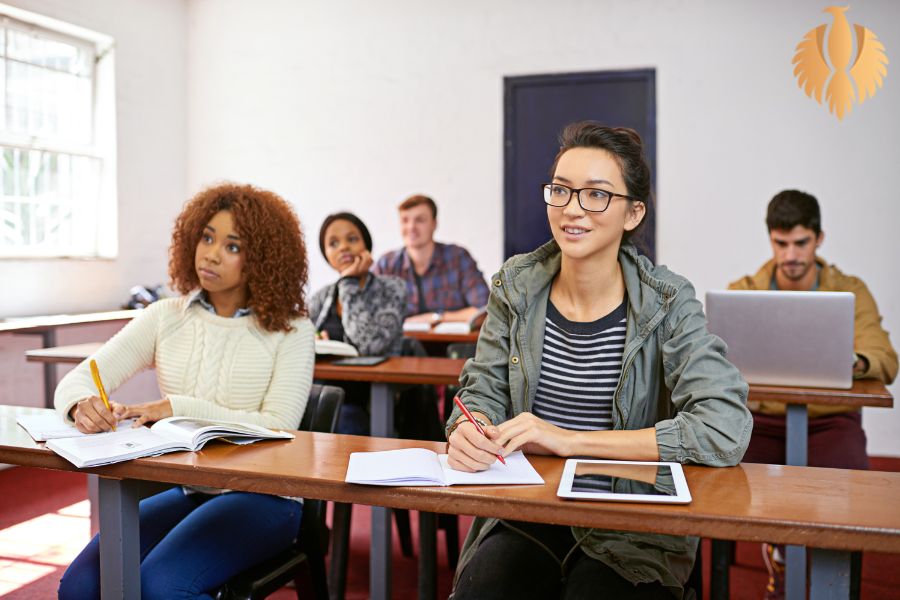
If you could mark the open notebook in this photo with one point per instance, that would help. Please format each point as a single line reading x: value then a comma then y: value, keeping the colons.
x: 49, y: 426
x: 419, y: 466
x: 335, y: 348
x: 168, y: 435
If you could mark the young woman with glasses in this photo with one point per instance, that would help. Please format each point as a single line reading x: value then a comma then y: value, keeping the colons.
x: 588, y: 349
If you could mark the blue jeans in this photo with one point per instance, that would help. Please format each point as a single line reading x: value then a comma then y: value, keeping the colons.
x: 191, y: 544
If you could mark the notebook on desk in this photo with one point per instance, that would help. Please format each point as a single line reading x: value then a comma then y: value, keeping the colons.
x: 786, y: 338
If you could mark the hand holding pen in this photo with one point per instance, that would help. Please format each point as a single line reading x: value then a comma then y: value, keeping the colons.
x: 96, y: 414
x: 472, y: 448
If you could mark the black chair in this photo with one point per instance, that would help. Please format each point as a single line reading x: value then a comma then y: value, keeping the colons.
x: 304, y: 561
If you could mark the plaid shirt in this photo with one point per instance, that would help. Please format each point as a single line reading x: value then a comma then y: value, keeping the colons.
x: 452, y: 281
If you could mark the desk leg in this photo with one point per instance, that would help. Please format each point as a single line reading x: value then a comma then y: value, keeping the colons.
x: 427, y: 555
x: 49, y: 341
x: 93, y: 489
x: 829, y: 574
x: 796, y: 439
x: 381, y: 425
x: 795, y: 572
x: 797, y: 421
x: 120, y: 560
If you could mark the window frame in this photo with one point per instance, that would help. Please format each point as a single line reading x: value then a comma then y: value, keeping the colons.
x: 101, y: 146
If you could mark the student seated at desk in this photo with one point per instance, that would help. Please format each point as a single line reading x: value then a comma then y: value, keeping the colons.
x: 237, y: 346
x: 443, y: 282
x: 836, y: 437
x: 361, y: 308
x: 588, y: 349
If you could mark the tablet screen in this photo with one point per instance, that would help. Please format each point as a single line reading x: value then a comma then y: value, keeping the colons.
x: 645, y: 479
x: 360, y: 361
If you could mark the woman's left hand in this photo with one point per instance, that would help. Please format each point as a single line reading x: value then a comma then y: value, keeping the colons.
x: 148, y: 412
x: 533, y: 435
x: 360, y: 265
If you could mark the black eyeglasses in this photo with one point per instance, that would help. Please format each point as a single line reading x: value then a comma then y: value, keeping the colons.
x: 590, y: 199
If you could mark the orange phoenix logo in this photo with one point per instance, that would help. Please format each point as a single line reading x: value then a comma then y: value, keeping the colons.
x: 824, y: 55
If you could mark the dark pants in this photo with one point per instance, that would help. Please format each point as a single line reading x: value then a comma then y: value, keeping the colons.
x: 836, y: 441
x: 508, y: 564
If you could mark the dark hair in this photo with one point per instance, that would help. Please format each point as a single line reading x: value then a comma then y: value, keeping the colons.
x: 418, y: 200
x: 275, y: 263
x: 790, y: 208
x: 627, y: 149
x: 345, y: 216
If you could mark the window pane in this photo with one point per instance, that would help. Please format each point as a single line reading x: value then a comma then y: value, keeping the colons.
x: 49, y: 203
x: 48, y: 104
x: 36, y: 50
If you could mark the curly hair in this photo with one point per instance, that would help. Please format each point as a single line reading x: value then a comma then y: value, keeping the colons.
x: 275, y: 263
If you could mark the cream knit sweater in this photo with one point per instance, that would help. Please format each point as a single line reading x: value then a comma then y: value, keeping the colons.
x: 207, y: 366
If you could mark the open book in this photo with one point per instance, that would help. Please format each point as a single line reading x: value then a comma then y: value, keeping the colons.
x: 335, y: 348
x: 168, y: 435
x: 419, y: 466
x: 472, y: 324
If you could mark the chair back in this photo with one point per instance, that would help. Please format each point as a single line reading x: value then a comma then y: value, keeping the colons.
x: 322, y: 408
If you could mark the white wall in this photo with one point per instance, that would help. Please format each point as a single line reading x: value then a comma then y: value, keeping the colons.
x: 354, y: 105
x: 152, y: 155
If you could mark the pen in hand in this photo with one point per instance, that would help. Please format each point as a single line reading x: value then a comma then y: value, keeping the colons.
x: 95, y: 373
x: 471, y: 419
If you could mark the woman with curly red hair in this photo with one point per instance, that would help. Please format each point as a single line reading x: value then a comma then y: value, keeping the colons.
x: 236, y: 346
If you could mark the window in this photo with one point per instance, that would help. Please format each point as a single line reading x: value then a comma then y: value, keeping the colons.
x: 57, y: 139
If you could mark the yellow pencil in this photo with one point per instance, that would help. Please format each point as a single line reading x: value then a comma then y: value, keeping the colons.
x: 95, y: 373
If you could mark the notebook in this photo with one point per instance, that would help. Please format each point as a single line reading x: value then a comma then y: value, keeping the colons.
x: 420, y: 466
x: 50, y: 426
x: 335, y: 348
x: 168, y: 435
x: 47, y: 427
x: 786, y: 338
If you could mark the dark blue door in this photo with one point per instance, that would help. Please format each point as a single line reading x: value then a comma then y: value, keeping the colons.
x: 536, y: 108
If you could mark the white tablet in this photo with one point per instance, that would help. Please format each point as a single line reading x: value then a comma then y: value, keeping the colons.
x: 623, y: 481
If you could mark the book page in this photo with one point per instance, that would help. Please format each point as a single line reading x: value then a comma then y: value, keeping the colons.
x: 409, y: 466
x: 51, y: 426
x: 336, y: 348
x: 452, y: 327
x: 116, y: 446
x: 47, y: 427
x: 516, y: 471
x: 195, y: 432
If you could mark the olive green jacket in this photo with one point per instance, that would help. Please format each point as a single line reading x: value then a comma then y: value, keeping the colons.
x: 700, y: 414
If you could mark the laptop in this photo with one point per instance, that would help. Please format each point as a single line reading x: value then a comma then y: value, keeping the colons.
x: 800, y: 339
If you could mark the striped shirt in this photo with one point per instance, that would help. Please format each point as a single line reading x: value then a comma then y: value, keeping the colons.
x: 580, y: 369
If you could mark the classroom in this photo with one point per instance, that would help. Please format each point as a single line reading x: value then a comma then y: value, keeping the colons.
x: 355, y: 106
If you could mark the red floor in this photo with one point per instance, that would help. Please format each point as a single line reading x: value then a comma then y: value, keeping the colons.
x: 41, y: 503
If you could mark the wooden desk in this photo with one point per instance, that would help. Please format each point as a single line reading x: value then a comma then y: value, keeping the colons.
x: 835, y: 510
x: 46, y: 327
x: 443, y: 338
x: 405, y: 370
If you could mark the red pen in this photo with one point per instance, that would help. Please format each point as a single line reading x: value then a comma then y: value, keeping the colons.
x: 468, y: 415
